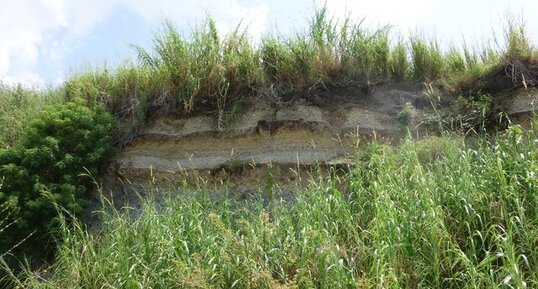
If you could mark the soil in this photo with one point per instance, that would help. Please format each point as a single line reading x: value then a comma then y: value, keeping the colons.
x: 282, y: 146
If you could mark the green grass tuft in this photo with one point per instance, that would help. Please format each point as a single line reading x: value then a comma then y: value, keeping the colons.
x: 439, y: 213
x: 208, y: 71
x: 18, y: 107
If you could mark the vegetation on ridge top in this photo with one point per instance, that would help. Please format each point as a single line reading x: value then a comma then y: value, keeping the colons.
x: 209, y: 73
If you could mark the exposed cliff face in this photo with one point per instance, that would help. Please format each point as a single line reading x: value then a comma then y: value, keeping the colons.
x: 300, y: 134
x: 520, y: 105
x: 280, y: 145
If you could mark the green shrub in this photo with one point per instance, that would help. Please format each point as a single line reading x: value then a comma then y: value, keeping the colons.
x: 65, y: 142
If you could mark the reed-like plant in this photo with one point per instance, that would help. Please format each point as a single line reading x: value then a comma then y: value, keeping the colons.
x: 442, y: 212
x: 209, y: 71
x: 19, y: 106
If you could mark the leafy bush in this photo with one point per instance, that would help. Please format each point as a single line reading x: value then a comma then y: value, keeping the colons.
x: 63, y: 143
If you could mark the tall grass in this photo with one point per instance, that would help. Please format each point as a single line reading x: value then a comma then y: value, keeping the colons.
x: 435, y: 213
x: 209, y: 72
x: 206, y: 70
x: 428, y: 61
x: 515, y: 62
x: 18, y: 106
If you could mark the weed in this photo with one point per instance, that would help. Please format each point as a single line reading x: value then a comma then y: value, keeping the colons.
x: 404, y: 116
x: 440, y: 212
x: 18, y: 107
x: 208, y: 72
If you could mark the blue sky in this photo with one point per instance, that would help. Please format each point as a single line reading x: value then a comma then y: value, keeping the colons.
x: 44, y: 41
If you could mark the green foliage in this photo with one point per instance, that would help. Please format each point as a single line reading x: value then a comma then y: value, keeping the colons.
x: 468, y: 114
x: 124, y: 92
x: 434, y: 213
x: 404, y: 116
x: 62, y: 144
x: 195, y: 71
x: 398, y: 63
x: 428, y: 60
x: 476, y: 112
x: 518, y: 43
x: 471, y: 68
x: 208, y: 71
x: 455, y: 62
x: 18, y: 106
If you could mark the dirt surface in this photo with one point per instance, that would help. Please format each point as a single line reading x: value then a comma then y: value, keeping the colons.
x: 519, y: 106
x: 283, y: 146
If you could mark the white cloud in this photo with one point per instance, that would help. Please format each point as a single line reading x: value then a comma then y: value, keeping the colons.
x: 23, y: 25
x: 401, y: 14
x: 83, y: 15
x: 57, y: 7
x: 36, y: 33
x: 4, y: 59
x: 26, y: 26
x: 28, y: 79
x: 226, y: 13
